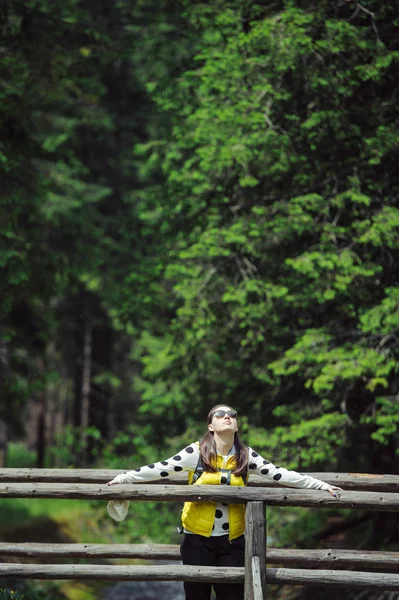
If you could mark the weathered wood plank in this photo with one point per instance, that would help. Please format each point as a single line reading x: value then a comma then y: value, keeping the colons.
x: 327, y: 558
x: 255, y: 545
x: 386, y: 581
x: 348, y: 481
x: 124, y: 573
x: 257, y: 592
x: 381, y: 501
x: 353, y: 559
x: 42, y: 550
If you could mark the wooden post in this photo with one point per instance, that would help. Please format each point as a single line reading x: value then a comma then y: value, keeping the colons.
x: 255, y: 551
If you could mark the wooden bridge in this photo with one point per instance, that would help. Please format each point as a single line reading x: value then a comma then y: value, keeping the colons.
x: 299, y: 567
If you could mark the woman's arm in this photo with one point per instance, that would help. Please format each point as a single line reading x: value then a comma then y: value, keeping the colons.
x: 260, y: 466
x: 185, y: 460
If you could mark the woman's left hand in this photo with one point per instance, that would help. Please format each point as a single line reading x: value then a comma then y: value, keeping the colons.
x: 113, y: 482
x: 332, y: 488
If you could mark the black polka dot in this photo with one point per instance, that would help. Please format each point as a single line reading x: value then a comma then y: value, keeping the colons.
x: 277, y: 467
x: 177, y: 457
x: 164, y: 462
x: 252, y: 466
x: 152, y: 466
x: 277, y: 477
x: 218, y: 514
x: 223, y: 479
x: 164, y: 473
x: 124, y: 472
x: 189, y: 450
x: 264, y: 471
x: 138, y: 470
x: 255, y: 454
x: 178, y: 468
x: 225, y: 526
x: 213, y: 528
x: 266, y: 462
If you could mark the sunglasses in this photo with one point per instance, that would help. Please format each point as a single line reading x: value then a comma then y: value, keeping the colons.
x: 221, y: 413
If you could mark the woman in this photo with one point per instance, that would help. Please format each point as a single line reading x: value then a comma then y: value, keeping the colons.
x: 214, y: 533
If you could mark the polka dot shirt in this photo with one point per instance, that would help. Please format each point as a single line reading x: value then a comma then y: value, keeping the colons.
x: 187, y: 460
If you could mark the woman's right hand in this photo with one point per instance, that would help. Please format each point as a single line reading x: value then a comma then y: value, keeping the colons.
x: 112, y: 482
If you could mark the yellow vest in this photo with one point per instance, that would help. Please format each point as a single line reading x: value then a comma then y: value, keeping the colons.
x: 199, y: 517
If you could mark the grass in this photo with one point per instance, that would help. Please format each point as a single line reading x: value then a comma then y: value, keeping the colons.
x: 18, y: 512
x: 19, y: 456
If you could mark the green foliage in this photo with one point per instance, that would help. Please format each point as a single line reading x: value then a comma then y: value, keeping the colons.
x: 69, y: 445
x: 18, y: 456
x: 283, y: 276
x: 307, y: 443
x: 31, y: 590
x: 10, y: 595
x: 386, y: 418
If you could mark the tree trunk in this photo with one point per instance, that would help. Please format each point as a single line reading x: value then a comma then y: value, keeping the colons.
x: 86, y: 387
x: 41, y: 423
x: 101, y: 391
x: 41, y: 436
x: 3, y: 443
x: 79, y: 344
x: 83, y: 368
x: 4, y: 369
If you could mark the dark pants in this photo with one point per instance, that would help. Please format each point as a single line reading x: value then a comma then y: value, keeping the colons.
x: 215, y: 551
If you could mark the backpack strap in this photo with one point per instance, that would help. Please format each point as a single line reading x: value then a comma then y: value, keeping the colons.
x: 199, y: 469
x: 246, y: 474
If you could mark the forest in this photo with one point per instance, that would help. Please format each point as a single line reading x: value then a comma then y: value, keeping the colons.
x: 199, y: 206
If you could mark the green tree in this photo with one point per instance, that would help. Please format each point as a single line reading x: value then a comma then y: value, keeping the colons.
x: 279, y: 200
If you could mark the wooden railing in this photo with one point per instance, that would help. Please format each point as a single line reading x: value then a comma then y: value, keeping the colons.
x: 311, y: 567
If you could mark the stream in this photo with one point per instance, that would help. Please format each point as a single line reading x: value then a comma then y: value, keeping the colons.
x: 144, y: 590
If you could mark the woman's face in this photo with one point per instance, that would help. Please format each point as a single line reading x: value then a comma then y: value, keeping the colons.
x: 225, y: 423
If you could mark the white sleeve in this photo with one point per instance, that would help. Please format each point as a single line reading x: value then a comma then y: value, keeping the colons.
x: 185, y: 460
x: 260, y: 466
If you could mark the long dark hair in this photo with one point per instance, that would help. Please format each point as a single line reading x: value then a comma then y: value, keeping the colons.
x: 208, y: 449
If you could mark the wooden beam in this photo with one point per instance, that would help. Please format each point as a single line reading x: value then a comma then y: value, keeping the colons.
x: 124, y: 572
x: 348, y: 481
x: 336, y: 559
x: 257, y: 586
x: 43, y: 550
x: 255, y: 546
x: 360, y: 559
x: 381, y: 501
x: 386, y: 581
